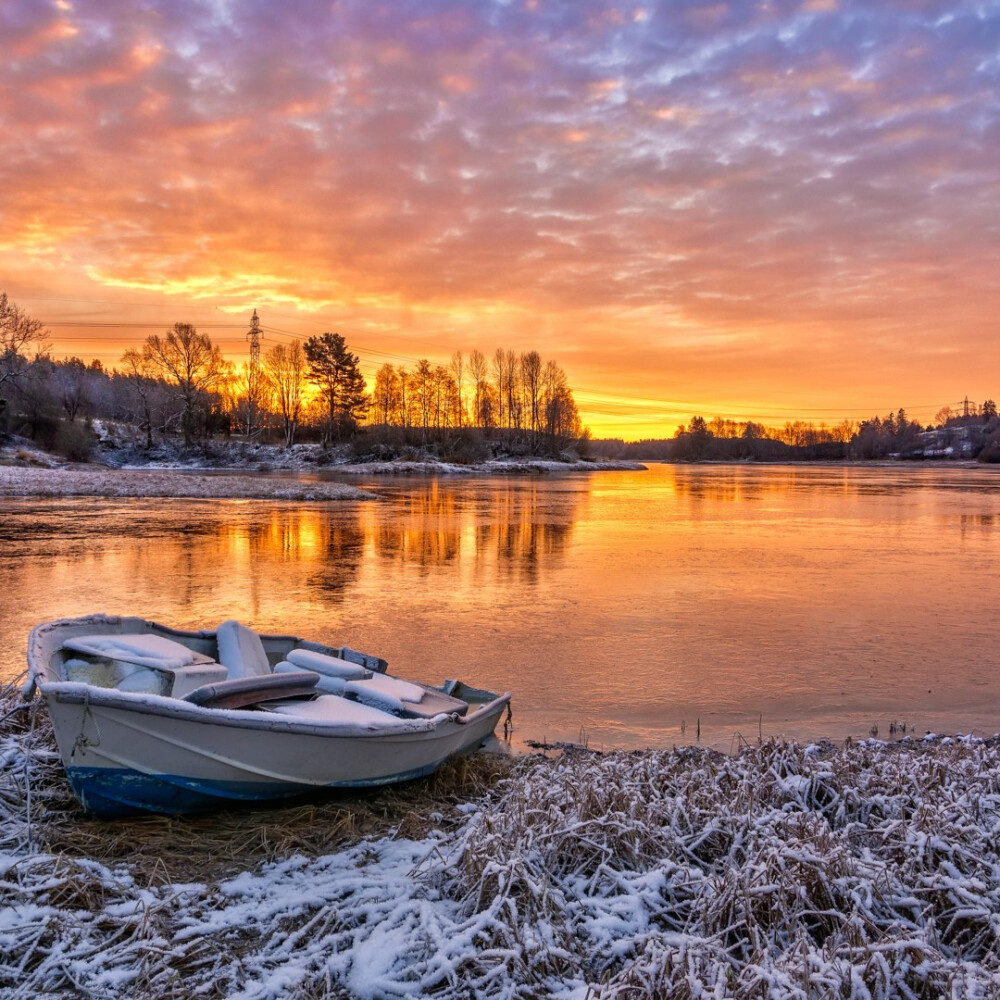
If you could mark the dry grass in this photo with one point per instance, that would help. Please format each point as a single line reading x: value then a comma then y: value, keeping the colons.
x: 218, y: 844
x: 859, y: 872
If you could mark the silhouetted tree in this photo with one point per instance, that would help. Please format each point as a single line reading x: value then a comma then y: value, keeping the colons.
x: 335, y: 370
x: 71, y: 378
x: 19, y: 333
x: 458, y: 372
x: 190, y: 362
x: 284, y: 372
x: 143, y: 386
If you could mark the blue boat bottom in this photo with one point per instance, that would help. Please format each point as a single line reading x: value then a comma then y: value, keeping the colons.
x: 110, y: 792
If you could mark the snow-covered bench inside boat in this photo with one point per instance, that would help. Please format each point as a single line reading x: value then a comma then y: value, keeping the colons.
x: 327, y: 666
x: 373, y: 689
x: 330, y: 708
x: 150, y: 664
x: 242, y: 652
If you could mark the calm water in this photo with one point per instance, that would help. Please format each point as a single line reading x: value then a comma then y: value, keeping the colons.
x: 627, y: 609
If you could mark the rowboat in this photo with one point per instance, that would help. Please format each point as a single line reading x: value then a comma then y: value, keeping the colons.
x: 149, y: 717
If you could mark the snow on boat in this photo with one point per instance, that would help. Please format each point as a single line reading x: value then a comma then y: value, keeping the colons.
x: 154, y: 718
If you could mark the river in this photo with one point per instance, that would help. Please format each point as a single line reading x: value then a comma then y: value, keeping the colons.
x: 622, y: 609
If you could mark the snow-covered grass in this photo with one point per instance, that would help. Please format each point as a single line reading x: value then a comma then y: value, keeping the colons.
x: 865, y: 871
x: 102, y: 482
x: 120, y: 451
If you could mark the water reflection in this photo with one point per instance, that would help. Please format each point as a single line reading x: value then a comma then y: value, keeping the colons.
x: 734, y: 488
x: 525, y: 531
x: 508, y: 530
x: 982, y: 522
x: 194, y: 562
x: 424, y: 528
x: 631, y: 605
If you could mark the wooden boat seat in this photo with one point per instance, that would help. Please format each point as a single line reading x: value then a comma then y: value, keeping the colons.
x: 436, y: 703
x: 383, y: 694
x: 395, y: 695
x: 239, y: 692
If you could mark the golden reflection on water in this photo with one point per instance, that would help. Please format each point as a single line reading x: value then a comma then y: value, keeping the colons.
x: 192, y: 561
x: 625, y: 604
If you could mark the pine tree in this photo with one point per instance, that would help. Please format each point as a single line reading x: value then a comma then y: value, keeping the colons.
x: 335, y: 370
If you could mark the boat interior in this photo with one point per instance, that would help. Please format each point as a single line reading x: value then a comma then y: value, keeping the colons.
x: 235, y: 667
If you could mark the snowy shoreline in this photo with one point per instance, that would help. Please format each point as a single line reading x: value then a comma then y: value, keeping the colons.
x: 780, y: 871
x: 224, y: 462
x: 86, y: 481
x: 497, y: 467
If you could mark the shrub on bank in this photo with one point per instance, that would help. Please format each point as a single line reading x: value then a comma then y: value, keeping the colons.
x: 74, y: 441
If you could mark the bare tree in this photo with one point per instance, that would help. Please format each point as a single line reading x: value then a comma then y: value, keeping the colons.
x: 142, y: 384
x: 500, y: 379
x: 458, y: 371
x: 18, y: 333
x: 479, y: 370
x: 513, y: 396
x: 245, y: 395
x: 386, y: 395
x: 562, y: 421
x: 192, y: 363
x: 71, y: 384
x: 405, y: 398
x: 422, y: 389
x: 443, y: 393
x: 285, y: 371
x: 531, y: 382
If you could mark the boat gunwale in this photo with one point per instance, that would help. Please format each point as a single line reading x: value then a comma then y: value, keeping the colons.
x: 45, y: 639
x: 163, y: 706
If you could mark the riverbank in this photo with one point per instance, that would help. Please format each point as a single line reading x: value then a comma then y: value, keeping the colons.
x: 780, y: 871
x: 88, y: 481
x: 251, y: 457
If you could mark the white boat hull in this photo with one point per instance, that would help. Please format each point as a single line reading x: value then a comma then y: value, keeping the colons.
x: 125, y: 751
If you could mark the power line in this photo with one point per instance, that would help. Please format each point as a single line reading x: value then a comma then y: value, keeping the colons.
x: 594, y: 402
x: 89, y: 325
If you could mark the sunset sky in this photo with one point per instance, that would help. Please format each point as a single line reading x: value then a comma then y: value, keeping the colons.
x: 756, y: 210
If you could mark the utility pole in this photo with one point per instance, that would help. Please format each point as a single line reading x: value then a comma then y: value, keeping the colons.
x: 253, y: 375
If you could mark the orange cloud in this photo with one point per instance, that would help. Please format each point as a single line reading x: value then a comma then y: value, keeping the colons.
x: 722, y: 207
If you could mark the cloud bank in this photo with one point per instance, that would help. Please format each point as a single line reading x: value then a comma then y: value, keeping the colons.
x: 739, y: 197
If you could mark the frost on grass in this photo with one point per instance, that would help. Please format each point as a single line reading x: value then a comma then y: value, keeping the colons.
x: 861, y: 872
x: 72, y: 482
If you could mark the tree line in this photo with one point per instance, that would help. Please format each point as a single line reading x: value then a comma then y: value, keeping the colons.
x: 179, y: 383
x: 972, y: 433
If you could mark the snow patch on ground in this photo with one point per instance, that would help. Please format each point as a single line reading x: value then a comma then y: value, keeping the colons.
x: 100, y: 482
x: 20, y: 452
x: 118, y: 449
